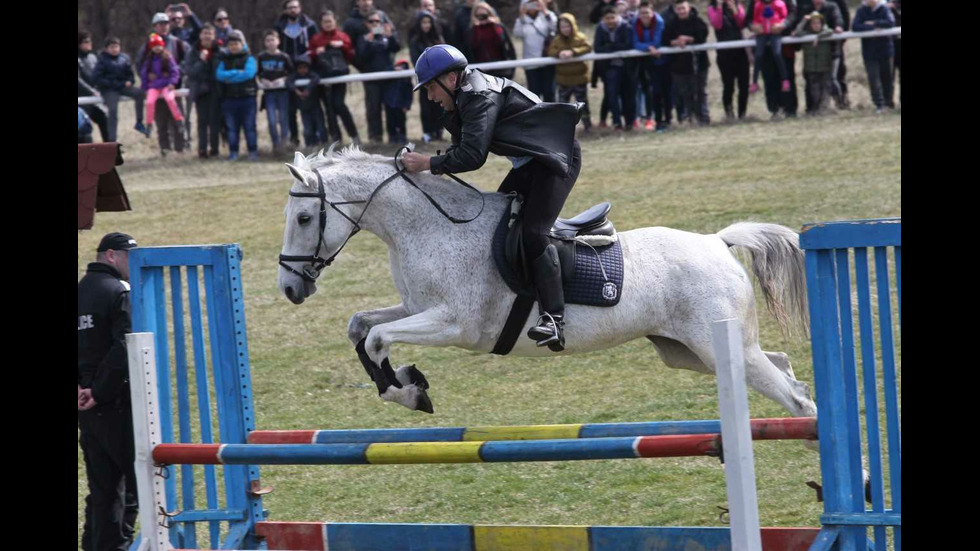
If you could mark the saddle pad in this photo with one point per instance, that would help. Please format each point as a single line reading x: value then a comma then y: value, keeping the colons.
x: 587, y: 286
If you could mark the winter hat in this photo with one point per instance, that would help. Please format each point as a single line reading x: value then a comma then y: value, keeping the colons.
x: 156, y: 40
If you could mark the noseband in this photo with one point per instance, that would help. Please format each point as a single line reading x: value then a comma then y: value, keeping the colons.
x: 317, y: 263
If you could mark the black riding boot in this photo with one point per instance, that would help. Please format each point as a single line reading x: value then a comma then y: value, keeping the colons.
x: 546, y: 274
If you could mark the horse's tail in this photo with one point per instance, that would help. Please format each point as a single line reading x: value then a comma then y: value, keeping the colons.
x: 778, y: 263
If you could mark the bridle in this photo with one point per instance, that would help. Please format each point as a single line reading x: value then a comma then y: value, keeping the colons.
x: 311, y: 271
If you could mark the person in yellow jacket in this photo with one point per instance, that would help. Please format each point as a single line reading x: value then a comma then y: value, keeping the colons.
x: 572, y: 78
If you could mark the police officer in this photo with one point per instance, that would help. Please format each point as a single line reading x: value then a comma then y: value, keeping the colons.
x: 104, y: 413
x: 486, y: 114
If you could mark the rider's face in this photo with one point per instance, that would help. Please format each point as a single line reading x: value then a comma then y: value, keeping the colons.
x: 437, y: 94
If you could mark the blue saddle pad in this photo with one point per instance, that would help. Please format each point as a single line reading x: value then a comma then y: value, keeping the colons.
x: 596, y: 277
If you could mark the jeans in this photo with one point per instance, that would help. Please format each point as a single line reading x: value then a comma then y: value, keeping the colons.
x: 332, y: 98
x: 542, y: 82
x: 701, y: 96
x: 620, y: 95
x: 111, y: 99
x: 581, y: 94
x: 818, y: 86
x: 685, y: 91
x: 395, y: 119
x: 430, y: 112
x: 168, y: 126
x: 881, y: 81
x: 771, y: 44
x: 210, y: 122
x: 373, y: 97
x: 314, y: 132
x: 277, y: 111
x: 240, y: 115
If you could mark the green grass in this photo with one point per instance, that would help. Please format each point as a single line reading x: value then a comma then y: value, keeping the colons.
x: 306, y: 375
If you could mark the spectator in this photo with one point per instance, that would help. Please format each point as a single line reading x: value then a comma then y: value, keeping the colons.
x: 376, y: 50
x: 159, y: 75
x: 769, y: 16
x: 572, y: 77
x: 488, y: 40
x: 834, y: 21
x: 307, y: 101
x: 274, y: 67
x: 878, y: 53
x: 686, y: 69
x: 462, y: 22
x: 236, y: 73
x: 332, y: 51
x: 596, y: 14
x: 398, y: 100
x: 817, y: 61
x: 200, y: 68
x: 776, y: 99
x: 183, y: 23
x: 728, y: 19
x: 84, y: 127
x: 114, y: 77
x: 357, y: 26
x: 166, y: 124
x: 649, y: 28
x: 105, y: 416
x: 295, y: 31
x: 615, y: 35
x: 426, y: 34
x: 86, y: 83
x: 896, y: 7
x: 537, y: 27
x: 443, y: 25
x: 222, y: 26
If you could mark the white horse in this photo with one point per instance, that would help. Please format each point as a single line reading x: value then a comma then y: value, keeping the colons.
x: 675, y: 283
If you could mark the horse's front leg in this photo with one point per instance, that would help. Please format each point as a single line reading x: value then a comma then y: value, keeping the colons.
x: 430, y: 328
x: 357, y: 331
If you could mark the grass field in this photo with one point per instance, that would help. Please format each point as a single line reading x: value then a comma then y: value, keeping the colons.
x: 306, y: 375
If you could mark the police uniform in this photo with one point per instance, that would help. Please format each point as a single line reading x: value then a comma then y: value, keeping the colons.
x: 106, y: 430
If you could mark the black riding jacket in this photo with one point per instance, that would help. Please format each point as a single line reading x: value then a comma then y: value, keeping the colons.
x: 103, y: 321
x: 498, y: 115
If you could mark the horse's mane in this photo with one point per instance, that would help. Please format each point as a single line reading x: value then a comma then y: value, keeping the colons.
x: 347, y: 154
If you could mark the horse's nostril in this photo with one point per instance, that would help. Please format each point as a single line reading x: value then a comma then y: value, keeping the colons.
x: 289, y: 292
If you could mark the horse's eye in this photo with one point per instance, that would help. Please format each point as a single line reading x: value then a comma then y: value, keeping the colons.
x: 304, y: 219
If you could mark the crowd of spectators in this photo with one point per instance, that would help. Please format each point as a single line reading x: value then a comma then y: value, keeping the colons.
x: 228, y: 83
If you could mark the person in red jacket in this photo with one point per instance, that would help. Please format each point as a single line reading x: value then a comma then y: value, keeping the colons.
x: 332, y: 52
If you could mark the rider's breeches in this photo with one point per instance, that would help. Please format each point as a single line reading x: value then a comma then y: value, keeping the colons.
x: 544, y: 195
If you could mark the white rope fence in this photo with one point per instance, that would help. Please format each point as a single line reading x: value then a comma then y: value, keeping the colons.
x: 536, y: 62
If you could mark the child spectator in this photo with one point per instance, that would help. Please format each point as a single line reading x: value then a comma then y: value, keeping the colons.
x: 200, y: 67
x: 236, y: 73
x: 685, y: 29
x: 114, y: 77
x: 398, y: 100
x: 649, y: 29
x: 614, y: 34
x: 160, y: 75
x: 307, y: 101
x: 572, y: 78
x: 426, y: 33
x: 767, y: 14
x: 817, y: 61
x: 274, y: 67
x: 728, y: 19
x: 331, y: 52
x: 878, y: 53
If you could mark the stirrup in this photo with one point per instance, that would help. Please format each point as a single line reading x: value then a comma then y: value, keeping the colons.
x: 549, y: 332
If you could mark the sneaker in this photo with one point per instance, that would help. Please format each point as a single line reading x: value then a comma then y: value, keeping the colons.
x: 426, y: 138
x: 618, y: 128
x: 636, y: 124
x: 650, y: 125
x: 202, y: 154
x: 163, y: 153
x: 253, y: 156
x: 149, y: 130
x: 233, y: 156
x: 603, y: 125
x: 785, y: 86
x: 754, y: 87
x: 141, y: 128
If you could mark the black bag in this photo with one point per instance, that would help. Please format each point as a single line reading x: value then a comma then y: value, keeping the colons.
x: 331, y: 63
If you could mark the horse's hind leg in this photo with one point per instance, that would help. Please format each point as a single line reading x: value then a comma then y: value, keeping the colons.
x: 781, y: 360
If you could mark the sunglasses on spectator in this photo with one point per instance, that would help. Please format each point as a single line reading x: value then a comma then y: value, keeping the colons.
x: 374, y: 21
x: 221, y: 18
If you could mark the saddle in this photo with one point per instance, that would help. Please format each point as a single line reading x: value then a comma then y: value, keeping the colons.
x: 591, y: 263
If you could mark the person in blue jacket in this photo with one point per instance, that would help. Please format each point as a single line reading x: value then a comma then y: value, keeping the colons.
x: 114, y: 77
x: 878, y: 53
x: 613, y: 34
x: 236, y: 76
x: 649, y: 29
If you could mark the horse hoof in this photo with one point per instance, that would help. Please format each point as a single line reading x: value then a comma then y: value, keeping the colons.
x: 410, y: 375
x: 424, y: 403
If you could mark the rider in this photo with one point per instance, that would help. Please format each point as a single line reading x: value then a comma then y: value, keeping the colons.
x: 485, y: 113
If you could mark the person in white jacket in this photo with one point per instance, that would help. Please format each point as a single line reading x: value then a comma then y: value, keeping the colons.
x: 537, y: 26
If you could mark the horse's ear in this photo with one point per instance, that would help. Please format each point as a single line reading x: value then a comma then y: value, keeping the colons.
x: 303, y: 175
x: 300, y: 160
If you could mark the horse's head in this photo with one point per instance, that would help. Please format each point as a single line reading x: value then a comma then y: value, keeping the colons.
x: 316, y: 227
